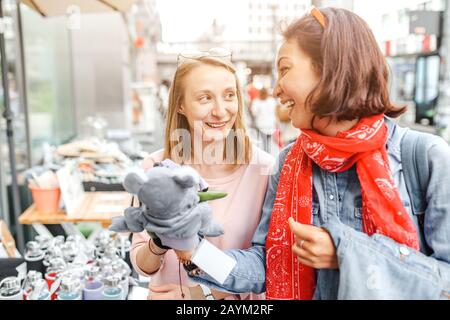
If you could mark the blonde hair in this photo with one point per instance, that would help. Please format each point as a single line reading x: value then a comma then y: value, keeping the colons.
x: 175, y: 120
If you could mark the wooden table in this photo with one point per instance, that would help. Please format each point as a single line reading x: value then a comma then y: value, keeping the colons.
x: 94, y: 207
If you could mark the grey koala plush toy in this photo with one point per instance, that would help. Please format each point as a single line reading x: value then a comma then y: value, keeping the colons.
x: 170, y: 207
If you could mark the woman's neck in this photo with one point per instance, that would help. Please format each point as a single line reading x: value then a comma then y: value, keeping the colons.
x: 209, y: 161
x: 331, y: 128
x: 214, y: 171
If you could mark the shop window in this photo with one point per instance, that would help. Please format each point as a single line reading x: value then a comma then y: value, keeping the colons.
x: 49, y: 80
x: 402, y: 79
x: 21, y: 156
x: 426, y: 88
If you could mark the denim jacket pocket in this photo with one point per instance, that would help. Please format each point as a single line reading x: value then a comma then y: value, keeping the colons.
x: 418, y: 217
x: 412, y: 213
x: 377, y: 267
x: 415, y: 261
x: 358, y: 221
x: 315, y: 215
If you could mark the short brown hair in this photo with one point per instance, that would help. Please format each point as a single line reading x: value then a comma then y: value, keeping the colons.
x: 263, y: 94
x: 354, y: 73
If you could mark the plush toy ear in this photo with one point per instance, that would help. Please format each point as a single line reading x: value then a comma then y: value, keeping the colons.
x: 184, y: 180
x: 133, y: 183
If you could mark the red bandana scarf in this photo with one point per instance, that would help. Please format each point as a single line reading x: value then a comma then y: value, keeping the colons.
x: 383, y: 211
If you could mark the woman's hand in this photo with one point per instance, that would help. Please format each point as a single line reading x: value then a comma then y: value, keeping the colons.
x: 173, y: 292
x: 184, y: 256
x: 313, y: 246
x: 169, y: 292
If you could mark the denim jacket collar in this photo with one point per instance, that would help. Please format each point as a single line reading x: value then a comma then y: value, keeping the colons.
x: 395, y: 135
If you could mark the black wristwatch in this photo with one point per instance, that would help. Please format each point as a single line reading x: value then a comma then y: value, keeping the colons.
x: 157, y: 241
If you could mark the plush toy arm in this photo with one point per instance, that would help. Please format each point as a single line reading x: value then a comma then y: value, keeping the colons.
x: 132, y: 221
x: 209, y: 228
x: 118, y: 224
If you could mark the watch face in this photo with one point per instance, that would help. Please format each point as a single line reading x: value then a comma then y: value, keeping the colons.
x: 207, y: 292
x: 189, y: 266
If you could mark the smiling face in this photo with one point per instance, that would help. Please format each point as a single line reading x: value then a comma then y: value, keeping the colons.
x: 296, y: 79
x: 210, y: 102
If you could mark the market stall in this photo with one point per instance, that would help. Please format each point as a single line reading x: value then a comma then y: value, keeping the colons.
x: 58, y: 268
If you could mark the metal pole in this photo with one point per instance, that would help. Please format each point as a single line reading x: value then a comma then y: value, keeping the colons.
x: 3, y: 198
x: 274, y: 9
x: 23, y: 82
x: 72, y: 82
x: 443, y: 108
x: 7, y: 114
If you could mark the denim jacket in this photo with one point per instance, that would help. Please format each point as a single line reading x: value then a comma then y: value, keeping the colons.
x: 374, y: 267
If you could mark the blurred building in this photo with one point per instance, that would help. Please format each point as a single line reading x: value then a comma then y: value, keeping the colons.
x: 145, y: 31
x: 414, y: 38
x: 63, y: 72
x: 443, y: 106
x: 251, y: 29
x: 347, y: 4
x: 266, y: 17
x: 110, y: 52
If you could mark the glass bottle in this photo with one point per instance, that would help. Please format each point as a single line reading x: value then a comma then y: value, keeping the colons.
x: 93, y: 286
x: 34, y: 257
x: 125, y: 283
x: 123, y: 244
x: 56, y: 266
x: 44, y: 242
x: 69, y: 251
x: 123, y: 270
x: 105, y: 265
x: 40, y: 291
x: 58, y: 240
x: 52, y: 253
x: 30, y: 283
x: 70, y: 289
x: 10, y: 289
x: 112, y: 290
x: 111, y: 253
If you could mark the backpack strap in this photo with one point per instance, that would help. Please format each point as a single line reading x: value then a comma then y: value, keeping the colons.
x: 416, y: 172
x: 415, y: 165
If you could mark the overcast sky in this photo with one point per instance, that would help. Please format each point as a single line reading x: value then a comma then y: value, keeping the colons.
x: 187, y: 20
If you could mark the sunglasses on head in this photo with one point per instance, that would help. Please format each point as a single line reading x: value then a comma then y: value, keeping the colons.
x: 220, y: 53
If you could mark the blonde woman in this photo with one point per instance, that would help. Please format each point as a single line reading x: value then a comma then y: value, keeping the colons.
x: 205, y: 130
